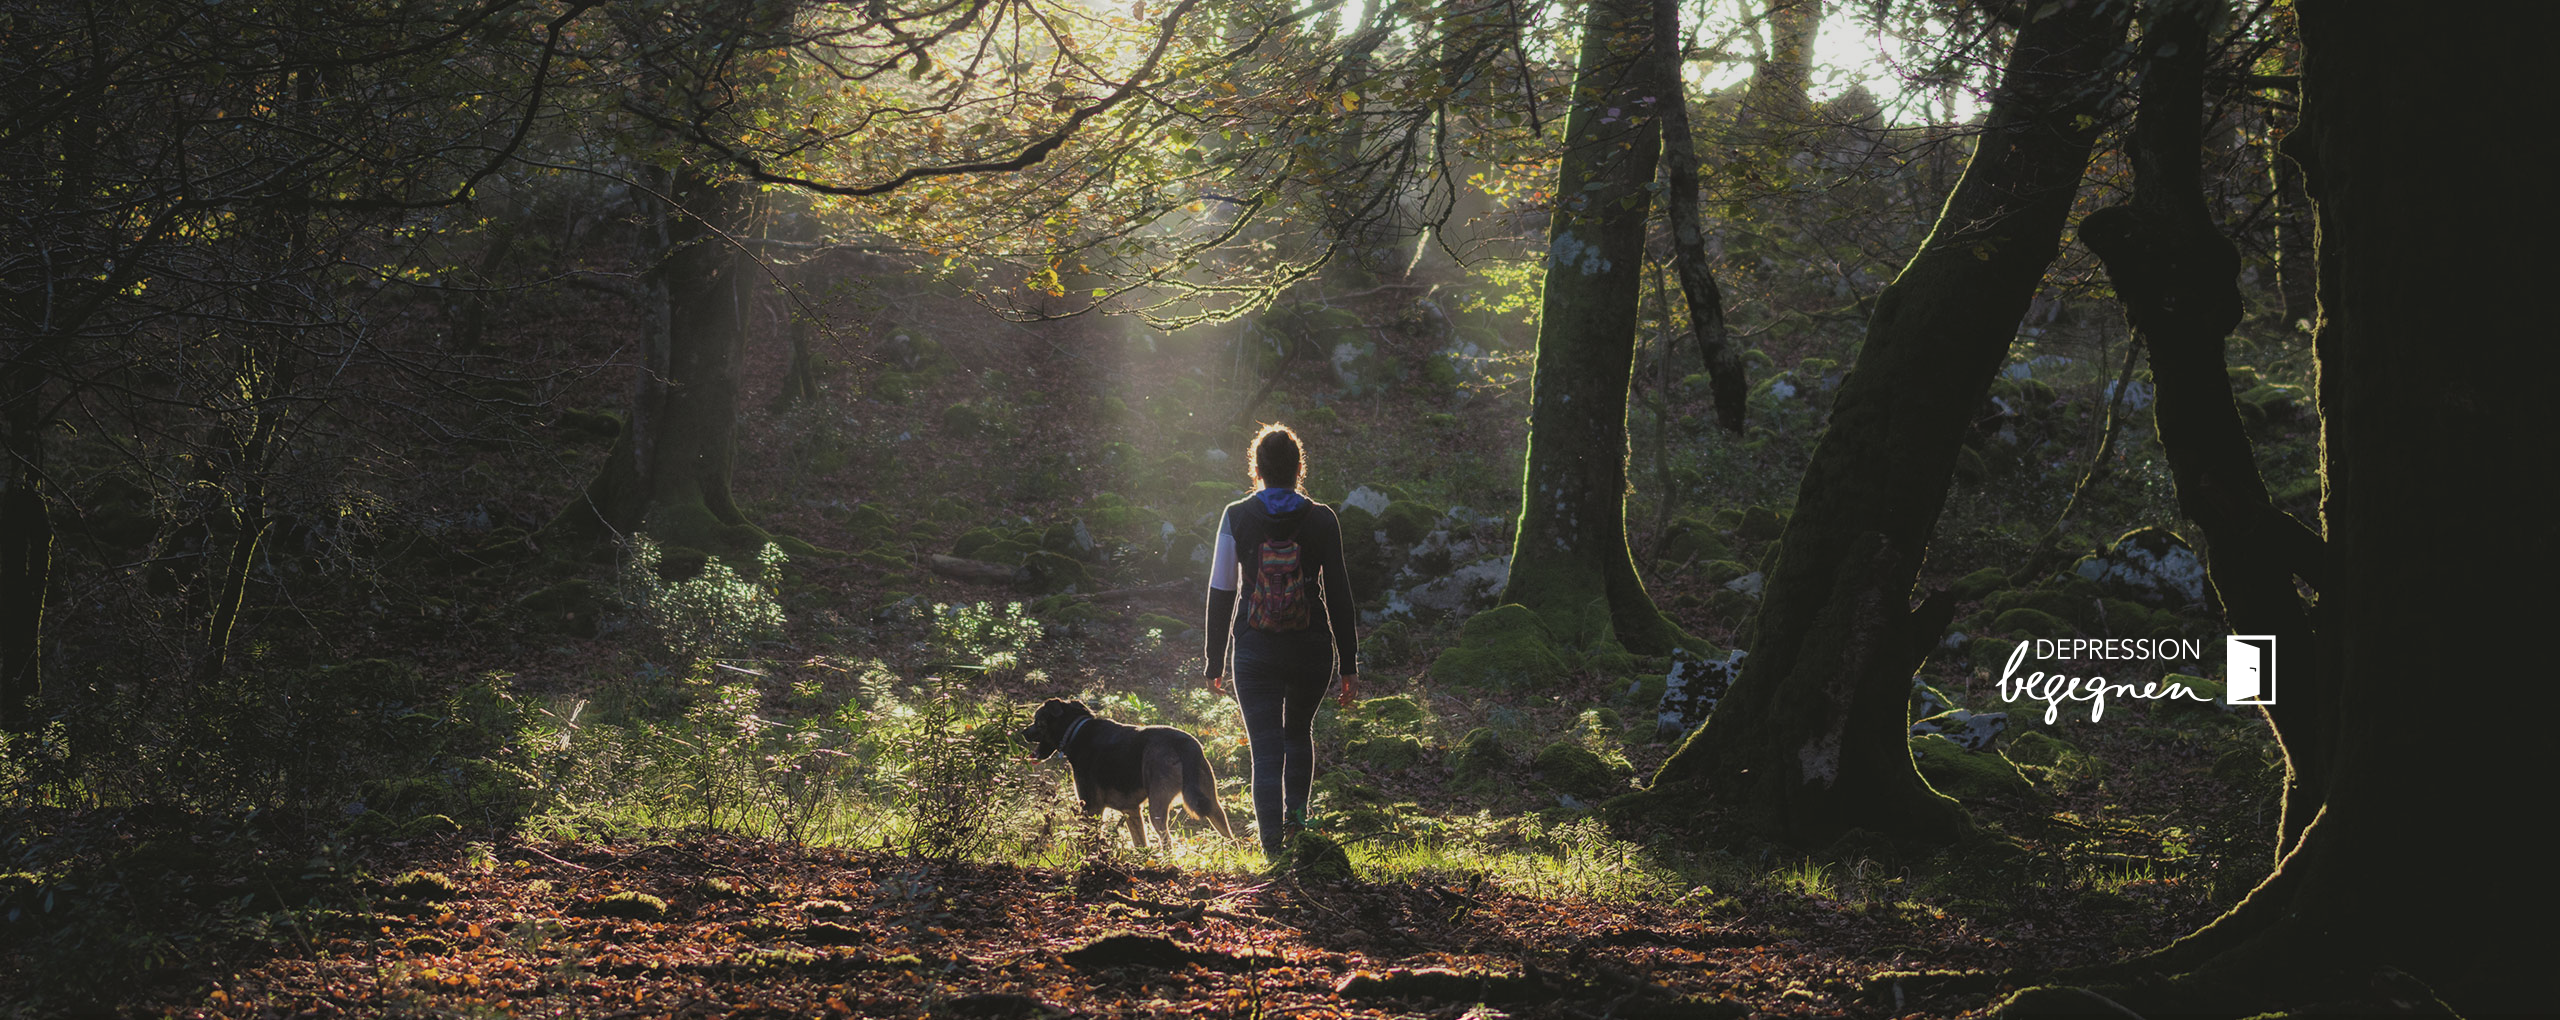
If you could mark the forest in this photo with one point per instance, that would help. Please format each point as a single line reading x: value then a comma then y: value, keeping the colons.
x: 1852, y: 508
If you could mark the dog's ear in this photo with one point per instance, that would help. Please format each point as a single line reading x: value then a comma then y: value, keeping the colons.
x: 1078, y: 705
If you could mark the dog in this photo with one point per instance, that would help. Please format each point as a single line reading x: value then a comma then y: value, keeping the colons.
x: 1119, y: 766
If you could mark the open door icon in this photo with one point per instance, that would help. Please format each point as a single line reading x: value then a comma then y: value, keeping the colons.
x: 2251, y: 663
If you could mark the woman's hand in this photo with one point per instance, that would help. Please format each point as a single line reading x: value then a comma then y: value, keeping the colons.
x: 1350, y: 686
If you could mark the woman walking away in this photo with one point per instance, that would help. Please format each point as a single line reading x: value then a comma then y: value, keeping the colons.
x: 1278, y: 587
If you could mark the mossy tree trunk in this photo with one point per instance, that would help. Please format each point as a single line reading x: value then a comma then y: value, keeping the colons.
x: 1811, y: 741
x: 2419, y: 879
x: 669, y: 471
x: 1571, y: 548
x: 2179, y: 279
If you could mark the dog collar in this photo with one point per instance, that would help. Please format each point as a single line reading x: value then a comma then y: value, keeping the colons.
x: 1071, y: 737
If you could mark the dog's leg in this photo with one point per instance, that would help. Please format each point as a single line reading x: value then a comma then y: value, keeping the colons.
x: 1137, y: 831
x: 1161, y: 812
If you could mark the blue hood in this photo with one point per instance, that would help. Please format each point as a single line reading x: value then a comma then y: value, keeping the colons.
x: 1278, y: 502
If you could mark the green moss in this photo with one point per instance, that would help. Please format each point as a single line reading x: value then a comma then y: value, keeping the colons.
x: 1966, y: 775
x: 1572, y: 768
x: 962, y: 420
x: 1720, y: 571
x: 635, y: 906
x: 1389, y: 753
x: 1314, y: 855
x: 1970, y: 468
x: 1407, y: 522
x: 2125, y: 618
x: 2035, y: 747
x: 1980, y: 583
x: 2032, y: 623
x: 1395, y: 712
x: 1050, y: 572
x: 426, y: 886
x: 1506, y: 646
x: 1169, y: 625
x: 1760, y: 524
x: 1988, y: 652
x: 1480, y: 753
x: 1690, y: 540
x: 2212, y: 690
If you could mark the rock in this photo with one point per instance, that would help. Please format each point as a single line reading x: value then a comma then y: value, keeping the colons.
x: 1968, y: 775
x: 1689, y: 540
x: 1748, y: 584
x: 1974, y: 731
x: 2038, y: 748
x: 1048, y: 572
x: 2033, y: 623
x: 1506, y: 646
x: 1691, y: 689
x: 2152, y: 566
x: 1927, y: 701
x: 1760, y: 524
x: 1407, y: 522
x: 1473, y: 586
x: 1479, y: 753
x: 1572, y: 768
x: 426, y: 887
x: 1367, y: 500
x: 634, y: 906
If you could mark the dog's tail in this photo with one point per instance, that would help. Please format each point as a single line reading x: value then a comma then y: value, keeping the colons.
x: 1200, y: 792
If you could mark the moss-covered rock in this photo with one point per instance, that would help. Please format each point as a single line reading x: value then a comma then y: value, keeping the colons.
x: 1398, y: 712
x: 1572, y: 768
x: 1760, y: 524
x: 1047, y: 572
x: 1315, y: 856
x: 970, y: 542
x: 1690, y: 540
x: 426, y: 887
x: 1406, y: 522
x: 2209, y: 694
x: 2036, y: 747
x: 1480, y: 753
x: 2033, y: 623
x: 1968, y: 775
x: 1506, y: 646
x: 634, y: 906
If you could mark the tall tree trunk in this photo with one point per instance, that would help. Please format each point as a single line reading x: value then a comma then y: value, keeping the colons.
x: 1811, y: 741
x: 2179, y: 279
x: 1725, y: 373
x: 2436, y: 468
x: 2296, y: 273
x: 669, y: 471
x: 1571, y: 548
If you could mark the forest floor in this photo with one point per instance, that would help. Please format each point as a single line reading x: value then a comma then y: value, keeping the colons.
x: 748, y: 928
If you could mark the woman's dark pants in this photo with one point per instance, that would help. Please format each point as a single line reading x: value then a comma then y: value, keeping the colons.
x: 1280, y: 679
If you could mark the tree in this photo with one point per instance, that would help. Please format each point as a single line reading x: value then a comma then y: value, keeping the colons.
x: 2435, y: 463
x: 1570, y: 550
x: 2179, y: 278
x: 191, y: 189
x: 1811, y: 741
